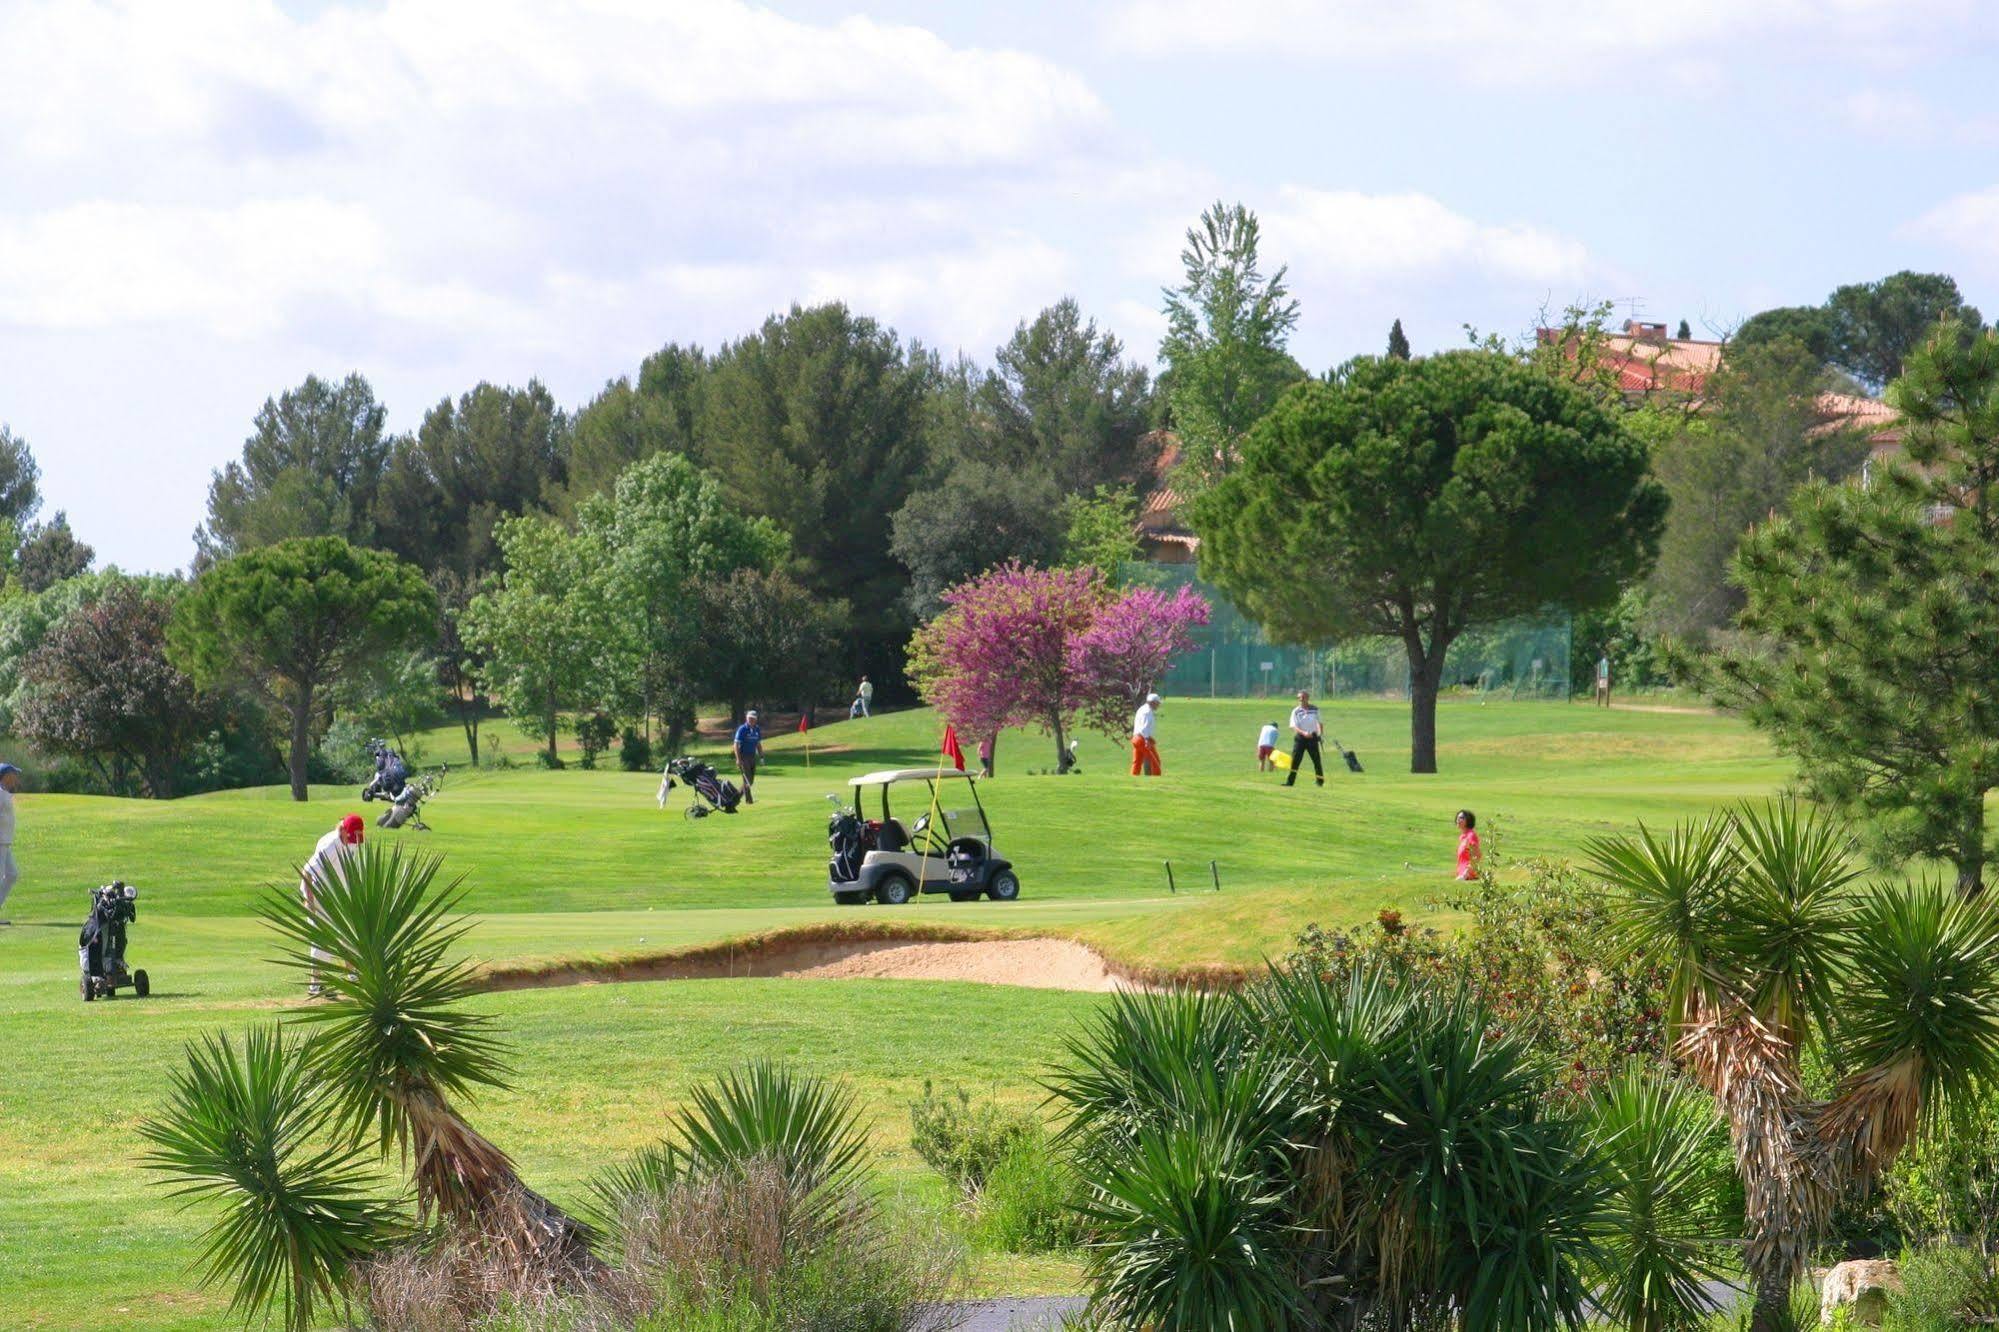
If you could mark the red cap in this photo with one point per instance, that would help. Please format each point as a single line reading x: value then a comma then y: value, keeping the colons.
x: 350, y: 828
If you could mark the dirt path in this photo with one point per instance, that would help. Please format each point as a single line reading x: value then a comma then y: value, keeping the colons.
x: 813, y: 954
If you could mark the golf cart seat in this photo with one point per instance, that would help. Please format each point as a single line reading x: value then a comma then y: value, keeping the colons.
x: 891, y: 836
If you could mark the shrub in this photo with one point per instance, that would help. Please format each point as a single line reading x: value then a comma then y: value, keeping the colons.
x: 1946, y: 1288
x: 1946, y: 1182
x: 965, y: 1142
x: 594, y: 734
x: 634, y: 751
x: 1028, y: 1204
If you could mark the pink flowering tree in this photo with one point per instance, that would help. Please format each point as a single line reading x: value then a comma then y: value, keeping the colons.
x: 1020, y: 646
x: 1128, y: 648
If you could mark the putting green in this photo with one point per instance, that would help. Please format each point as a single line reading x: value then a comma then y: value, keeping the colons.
x: 581, y: 864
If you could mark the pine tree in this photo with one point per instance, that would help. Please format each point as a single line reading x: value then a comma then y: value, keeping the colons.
x: 1685, y: 331
x: 1398, y: 343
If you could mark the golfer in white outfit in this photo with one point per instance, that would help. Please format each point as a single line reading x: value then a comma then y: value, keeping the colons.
x: 10, y: 782
x: 323, y: 869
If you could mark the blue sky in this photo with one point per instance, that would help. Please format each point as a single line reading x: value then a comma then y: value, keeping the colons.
x: 202, y: 202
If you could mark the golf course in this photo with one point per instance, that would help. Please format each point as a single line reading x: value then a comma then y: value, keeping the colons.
x: 579, y: 869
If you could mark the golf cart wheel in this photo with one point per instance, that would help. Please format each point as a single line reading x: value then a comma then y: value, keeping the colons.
x: 850, y: 898
x: 894, y: 890
x: 89, y: 990
x: 1005, y: 886
x: 141, y: 984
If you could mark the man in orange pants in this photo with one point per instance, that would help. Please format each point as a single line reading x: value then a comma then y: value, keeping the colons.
x: 1144, y: 753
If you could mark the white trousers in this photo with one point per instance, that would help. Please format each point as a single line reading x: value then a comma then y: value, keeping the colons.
x: 8, y: 873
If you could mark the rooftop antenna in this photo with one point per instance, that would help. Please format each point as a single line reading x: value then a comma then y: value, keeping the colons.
x: 1633, y: 305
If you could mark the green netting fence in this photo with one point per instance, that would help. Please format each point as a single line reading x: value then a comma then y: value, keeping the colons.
x: 1232, y: 657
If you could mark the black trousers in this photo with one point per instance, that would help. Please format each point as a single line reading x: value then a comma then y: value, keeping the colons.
x: 1301, y: 745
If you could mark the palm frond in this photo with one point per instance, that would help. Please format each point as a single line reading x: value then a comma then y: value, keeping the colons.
x: 239, y: 1131
x: 393, y: 1019
x: 1788, y: 918
x: 1672, y: 890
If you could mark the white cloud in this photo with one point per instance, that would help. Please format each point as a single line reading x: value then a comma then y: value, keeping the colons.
x: 1524, y: 41
x: 1349, y: 239
x: 1968, y: 224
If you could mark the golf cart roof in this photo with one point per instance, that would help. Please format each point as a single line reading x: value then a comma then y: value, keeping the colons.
x: 887, y: 775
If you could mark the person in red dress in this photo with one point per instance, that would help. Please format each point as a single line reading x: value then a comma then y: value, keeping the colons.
x: 1468, y: 849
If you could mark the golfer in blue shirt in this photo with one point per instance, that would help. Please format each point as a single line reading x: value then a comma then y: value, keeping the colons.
x: 749, y: 748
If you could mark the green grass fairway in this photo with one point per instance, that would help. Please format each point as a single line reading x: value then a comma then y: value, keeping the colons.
x: 576, y: 864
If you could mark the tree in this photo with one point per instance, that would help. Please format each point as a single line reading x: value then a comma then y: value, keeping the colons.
x: 1102, y: 530
x: 978, y: 516
x: 1019, y: 646
x: 1874, y: 326
x: 20, y: 477
x: 1062, y: 401
x: 1808, y: 325
x: 1417, y: 498
x: 1871, y: 627
x: 100, y: 687
x: 311, y: 467
x: 1772, y: 951
x: 817, y: 421
x: 50, y: 553
x: 664, y: 529
x: 494, y: 453
x: 1684, y: 332
x: 292, y: 619
x: 765, y: 637
x: 1762, y: 433
x: 393, y: 695
x: 1227, y: 326
x: 538, y: 629
x: 627, y: 423
x: 1398, y: 342
x: 460, y: 666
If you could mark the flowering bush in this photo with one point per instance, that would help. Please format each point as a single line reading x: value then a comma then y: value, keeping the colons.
x: 1021, y: 646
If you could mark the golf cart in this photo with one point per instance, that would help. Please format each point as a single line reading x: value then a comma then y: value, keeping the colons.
x: 879, y: 858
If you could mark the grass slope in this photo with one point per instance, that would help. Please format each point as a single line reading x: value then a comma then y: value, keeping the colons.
x: 576, y: 864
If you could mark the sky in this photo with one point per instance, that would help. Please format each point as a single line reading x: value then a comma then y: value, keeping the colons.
x: 203, y: 201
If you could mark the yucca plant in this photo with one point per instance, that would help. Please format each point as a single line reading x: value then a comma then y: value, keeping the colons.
x: 1663, y: 1239
x: 1773, y: 949
x: 394, y: 1045
x: 246, y: 1128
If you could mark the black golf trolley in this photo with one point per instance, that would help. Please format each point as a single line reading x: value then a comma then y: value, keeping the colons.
x: 100, y: 948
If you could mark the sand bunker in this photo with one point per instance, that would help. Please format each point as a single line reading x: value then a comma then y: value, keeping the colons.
x: 1035, y: 963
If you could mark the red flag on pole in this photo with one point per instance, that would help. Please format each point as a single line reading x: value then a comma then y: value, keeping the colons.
x: 951, y: 749
x: 804, y: 722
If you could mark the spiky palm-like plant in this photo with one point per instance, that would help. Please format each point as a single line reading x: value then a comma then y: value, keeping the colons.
x: 1773, y: 949
x: 394, y: 1045
x: 246, y: 1128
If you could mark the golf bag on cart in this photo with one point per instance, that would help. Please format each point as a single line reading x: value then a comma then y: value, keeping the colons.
x: 847, y: 833
x: 100, y: 947
x: 720, y: 796
x: 406, y: 806
x: 391, y: 773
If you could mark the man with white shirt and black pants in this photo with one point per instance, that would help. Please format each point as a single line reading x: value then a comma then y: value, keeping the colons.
x: 1306, y: 731
x: 10, y: 782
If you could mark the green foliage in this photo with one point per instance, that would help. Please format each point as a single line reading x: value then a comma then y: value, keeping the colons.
x: 387, y: 935
x: 965, y: 1141
x: 20, y: 477
x: 311, y: 467
x: 494, y: 453
x: 1761, y: 434
x: 1946, y: 1288
x: 50, y: 553
x: 976, y: 516
x: 1398, y: 342
x: 1877, y: 326
x: 395, y: 695
x: 1810, y: 326
x: 1866, y: 634
x: 1946, y: 1183
x: 1306, y: 1148
x: 1672, y: 1206
x: 594, y: 734
x: 243, y: 1130
x: 1102, y: 530
x: 634, y: 751
x: 1621, y: 631
x: 628, y: 423
x: 291, y: 619
x: 816, y: 421
x: 1226, y: 330
x: 537, y: 630
x: 1028, y: 1204
x: 1417, y: 498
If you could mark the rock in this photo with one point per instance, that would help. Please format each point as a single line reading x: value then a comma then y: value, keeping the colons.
x: 1861, y: 1287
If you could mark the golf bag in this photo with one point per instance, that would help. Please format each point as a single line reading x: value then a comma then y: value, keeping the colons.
x: 847, y: 834
x: 391, y: 774
x: 1353, y: 759
x: 406, y: 806
x: 100, y: 945
x: 721, y: 797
